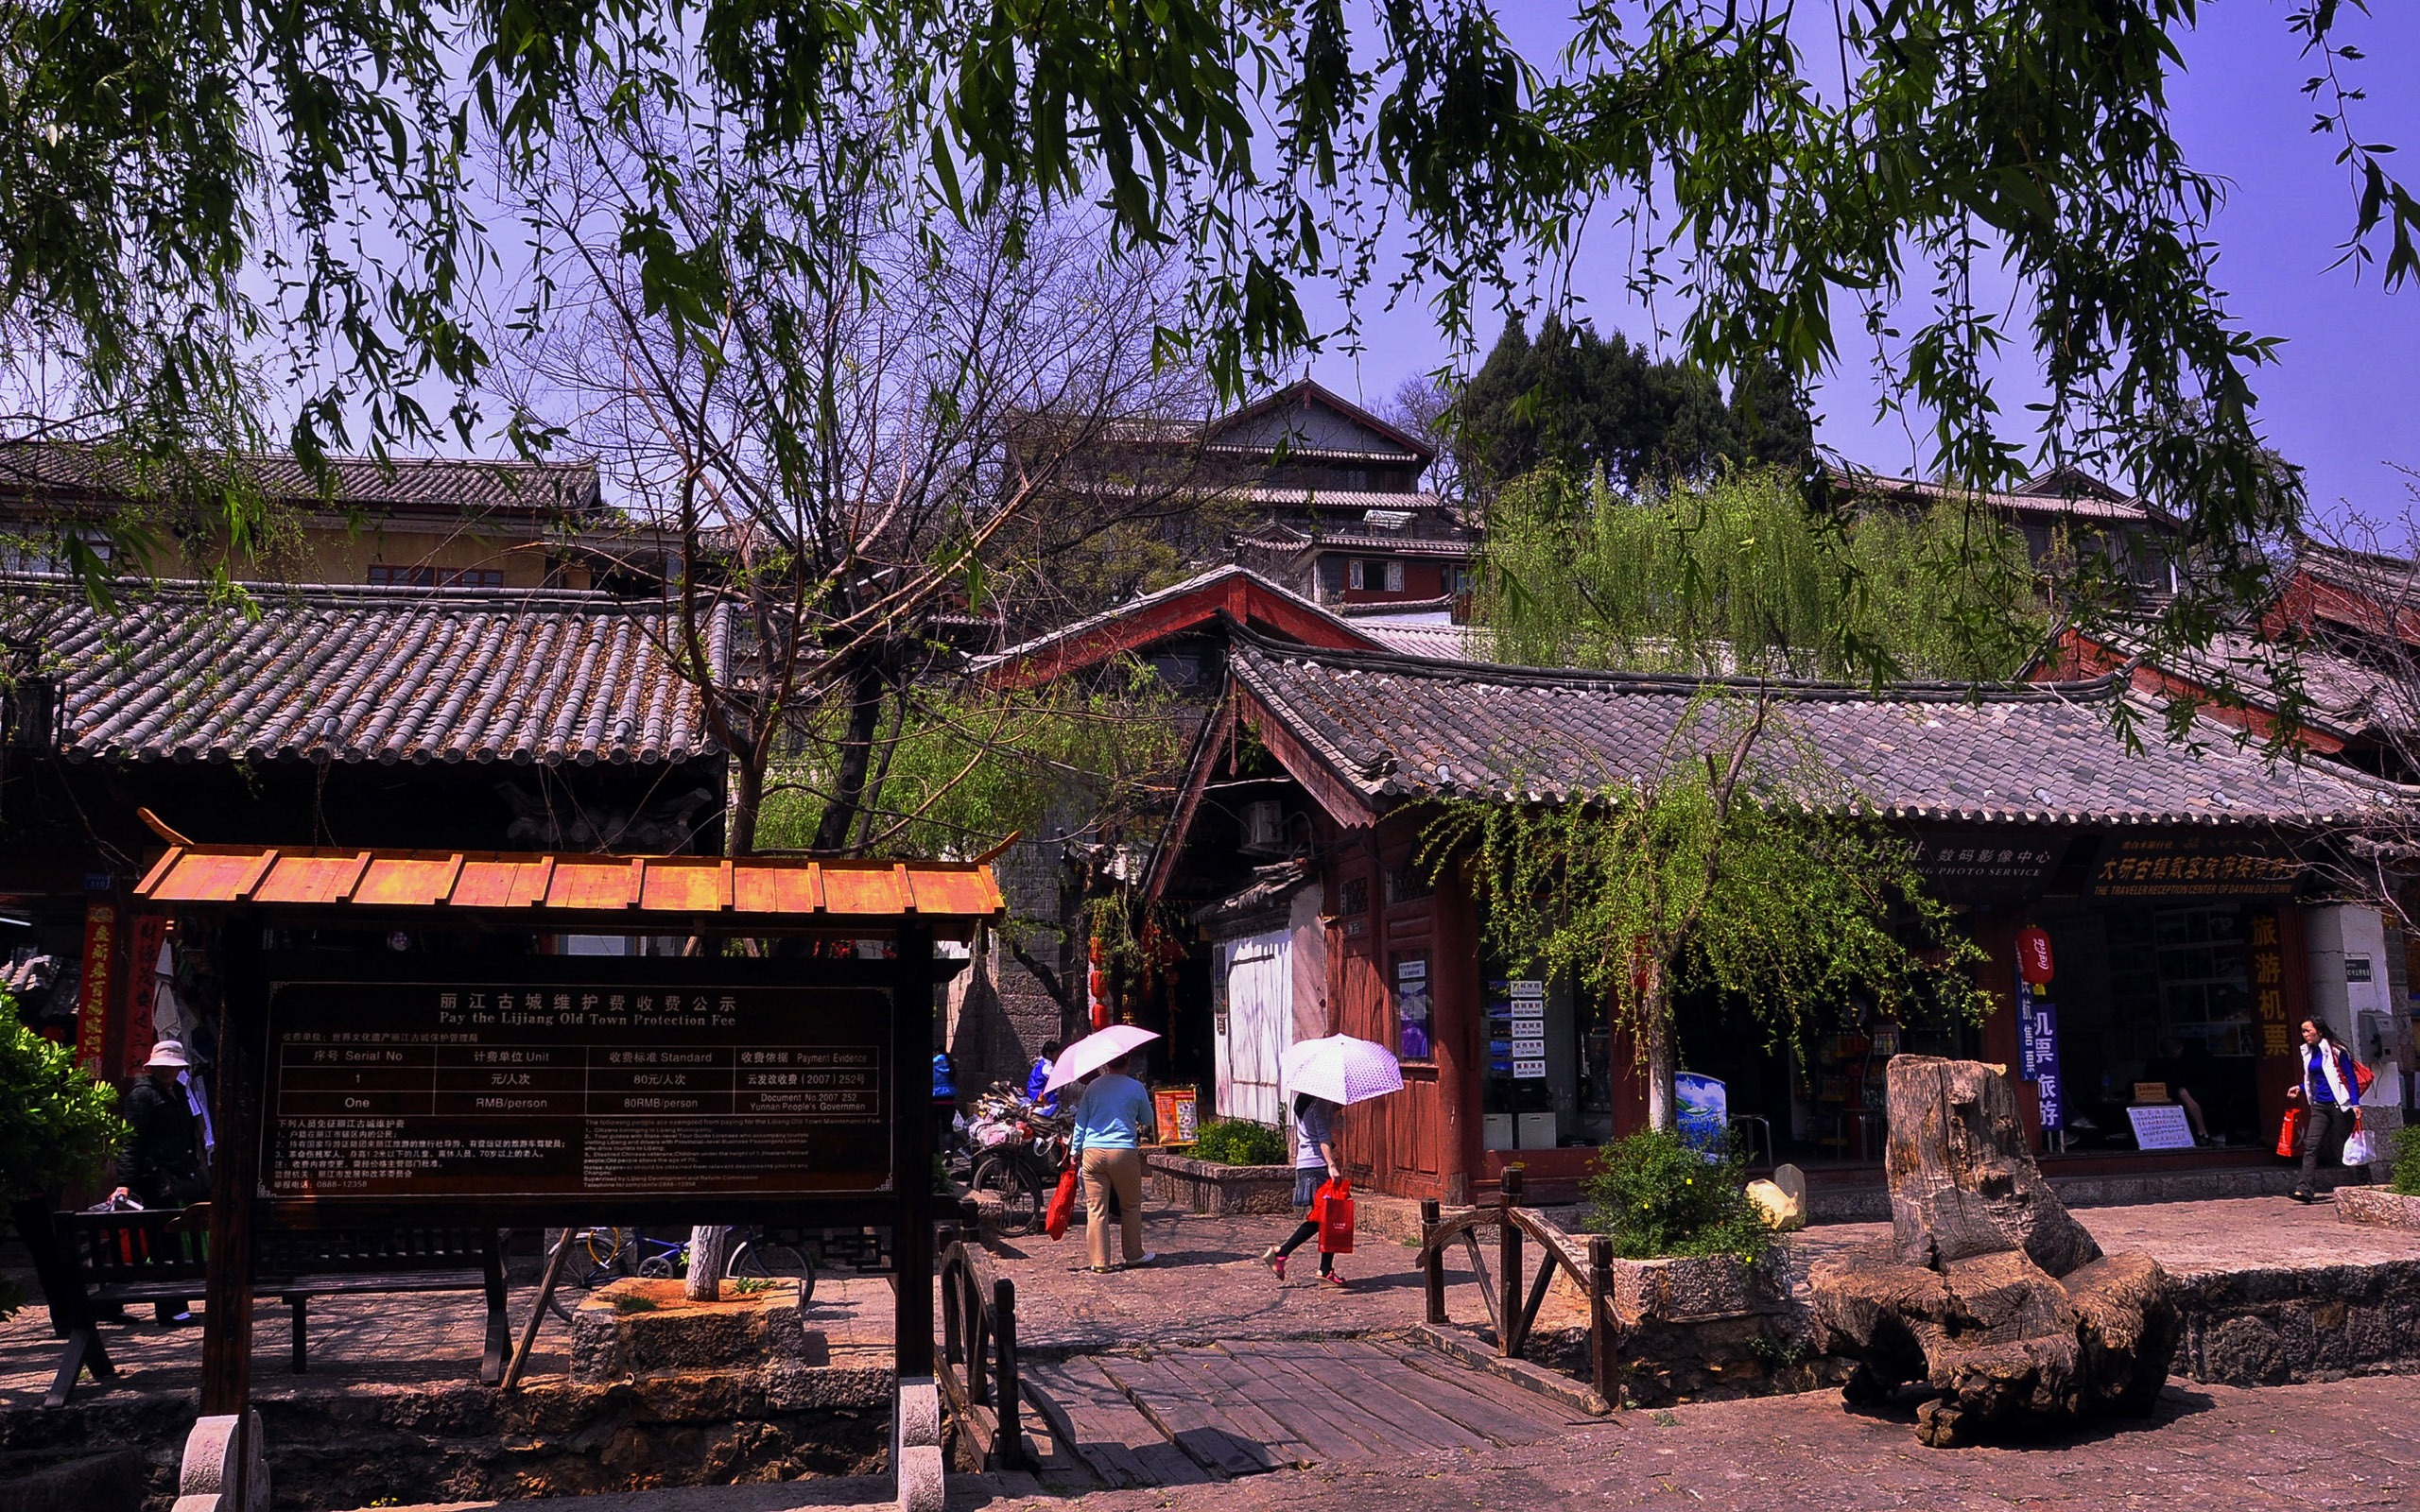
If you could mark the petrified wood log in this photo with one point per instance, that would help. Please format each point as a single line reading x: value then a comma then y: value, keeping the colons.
x: 1989, y: 1291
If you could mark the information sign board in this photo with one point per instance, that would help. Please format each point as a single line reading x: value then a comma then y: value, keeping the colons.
x: 467, y: 1088
x: 2161, y: 1126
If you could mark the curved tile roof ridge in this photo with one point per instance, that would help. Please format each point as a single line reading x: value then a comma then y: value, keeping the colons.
x: 1803, y: 689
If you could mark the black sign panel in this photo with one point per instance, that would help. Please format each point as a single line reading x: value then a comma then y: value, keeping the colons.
x: 515, y: 1088
x: 2193, y: 866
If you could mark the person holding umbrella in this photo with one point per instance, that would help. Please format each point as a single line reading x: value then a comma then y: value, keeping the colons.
x: 1113, y: 1120
x: 1327, y: 1075
x: 1315, y: 1165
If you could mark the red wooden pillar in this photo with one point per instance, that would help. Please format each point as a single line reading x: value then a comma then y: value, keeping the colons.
x: 1457, y: 1037
x: 2280, y: 947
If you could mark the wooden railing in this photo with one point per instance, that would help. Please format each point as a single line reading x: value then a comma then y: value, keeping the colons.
x: 977, y: 1368
x: 1510, y: 1314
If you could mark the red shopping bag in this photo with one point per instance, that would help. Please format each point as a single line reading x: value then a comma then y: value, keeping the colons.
x: 1062, y: 1206
x: 1334, y: 1210
x: 2289, y: 1137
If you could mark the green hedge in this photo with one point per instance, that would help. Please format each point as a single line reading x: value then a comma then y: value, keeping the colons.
x: 1232, y: 1141
x: 2407, y: 1162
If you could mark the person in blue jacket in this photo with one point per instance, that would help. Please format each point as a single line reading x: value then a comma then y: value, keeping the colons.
x: 1113, y: 1123
x: 1037, y: 1081
x: 2330, y: 1092
x: 944, y: 1104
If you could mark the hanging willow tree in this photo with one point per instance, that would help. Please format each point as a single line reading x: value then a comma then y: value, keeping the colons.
x: 1739, y: 865
x: 1736, y: 575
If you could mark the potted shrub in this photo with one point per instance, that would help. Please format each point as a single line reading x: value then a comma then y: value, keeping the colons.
x: 1233, y: 1166
x: 2395, y: 1204
x: 1690, y: 1245
x: 57, y: 1128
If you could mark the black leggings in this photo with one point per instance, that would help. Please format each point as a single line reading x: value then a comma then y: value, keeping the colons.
x: 1304, y: 1230
x: 2323, y: 1123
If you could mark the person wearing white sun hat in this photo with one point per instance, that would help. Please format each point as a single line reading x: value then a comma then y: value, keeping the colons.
x: 162, y: 1165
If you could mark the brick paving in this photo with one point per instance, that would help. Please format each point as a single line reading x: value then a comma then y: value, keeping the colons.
x: 2340, y: 1445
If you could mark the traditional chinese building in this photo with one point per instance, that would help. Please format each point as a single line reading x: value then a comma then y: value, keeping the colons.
x: 441, y: 720
x: 2176, y: 891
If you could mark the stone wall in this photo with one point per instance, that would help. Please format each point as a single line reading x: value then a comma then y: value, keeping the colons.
x: 1000, y: 1013
x: 468, y: 1442
x: 2269, y: 1328
x: 1204, y: 1186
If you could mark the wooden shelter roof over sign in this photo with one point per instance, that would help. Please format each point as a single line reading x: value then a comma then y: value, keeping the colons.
x: 574, y: 892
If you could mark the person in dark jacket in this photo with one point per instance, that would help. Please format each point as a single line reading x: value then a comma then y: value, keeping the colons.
x: 2330, y: 1092
x: 161, y: 1164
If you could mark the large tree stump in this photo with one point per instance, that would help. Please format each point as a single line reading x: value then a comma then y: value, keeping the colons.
x: 1989, y: 1291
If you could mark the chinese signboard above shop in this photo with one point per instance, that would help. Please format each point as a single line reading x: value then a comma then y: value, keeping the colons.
x: 2191, y: 865
x: 1976, y: 865
x: 463, y: 1088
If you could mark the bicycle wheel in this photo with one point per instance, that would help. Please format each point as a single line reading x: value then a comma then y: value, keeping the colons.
x: 598, y: 1256
x: 667, y: 1264
x: 1018, y: 1186
x: 766, y: 1259
x: 582, y: 1268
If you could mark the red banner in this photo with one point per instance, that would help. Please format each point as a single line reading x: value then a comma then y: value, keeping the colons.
x: 93, y: 994
x: 142, y: 990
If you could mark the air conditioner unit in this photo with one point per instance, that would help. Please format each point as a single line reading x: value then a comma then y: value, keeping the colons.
x: 1265, y: 827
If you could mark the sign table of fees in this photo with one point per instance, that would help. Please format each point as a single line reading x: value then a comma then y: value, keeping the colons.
x: 419, y: 1080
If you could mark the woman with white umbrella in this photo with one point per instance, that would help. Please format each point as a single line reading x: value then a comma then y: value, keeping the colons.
x: 1327, y: 1074
x: 1113, y: 1120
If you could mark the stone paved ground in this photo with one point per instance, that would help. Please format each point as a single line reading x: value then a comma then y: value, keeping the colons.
x: 360, y: 1340
x: 1207, y: 1285
x: 2349, y: 1444
x: 2237, y: 1233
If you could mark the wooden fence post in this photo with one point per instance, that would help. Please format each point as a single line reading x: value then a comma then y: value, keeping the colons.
x: 953, y: 1306
x: 1008, y: 1437
x: 1432, y: 1264
x: 980, y: 1331
x: 1601, y: 1324
x: 1507, y: 1268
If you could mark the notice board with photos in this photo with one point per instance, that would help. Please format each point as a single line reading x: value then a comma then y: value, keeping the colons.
x: 452, y: 1082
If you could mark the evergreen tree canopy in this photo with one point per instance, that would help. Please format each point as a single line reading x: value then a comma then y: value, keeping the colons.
x: 1581, y: 401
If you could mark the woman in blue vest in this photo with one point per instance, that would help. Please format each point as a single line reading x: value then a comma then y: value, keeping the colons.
x: 2330, y: 1092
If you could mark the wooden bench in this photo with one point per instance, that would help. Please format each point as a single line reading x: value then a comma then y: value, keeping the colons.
x: 109, y: 1259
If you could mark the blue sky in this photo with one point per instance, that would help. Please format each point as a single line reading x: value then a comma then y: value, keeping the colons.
x: 2343, y: 402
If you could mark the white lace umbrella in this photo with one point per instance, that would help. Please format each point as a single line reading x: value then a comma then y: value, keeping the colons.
x: 1340, y: 1069
x: 1095, y: 1050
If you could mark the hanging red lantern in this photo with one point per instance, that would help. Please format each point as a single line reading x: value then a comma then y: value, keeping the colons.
x: 2033, y: 955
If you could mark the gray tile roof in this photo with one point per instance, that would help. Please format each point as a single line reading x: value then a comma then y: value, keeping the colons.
x: 2342, y: 695
x: 450, y: 484
x: 357, y: 674
x: 1398, y: 728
